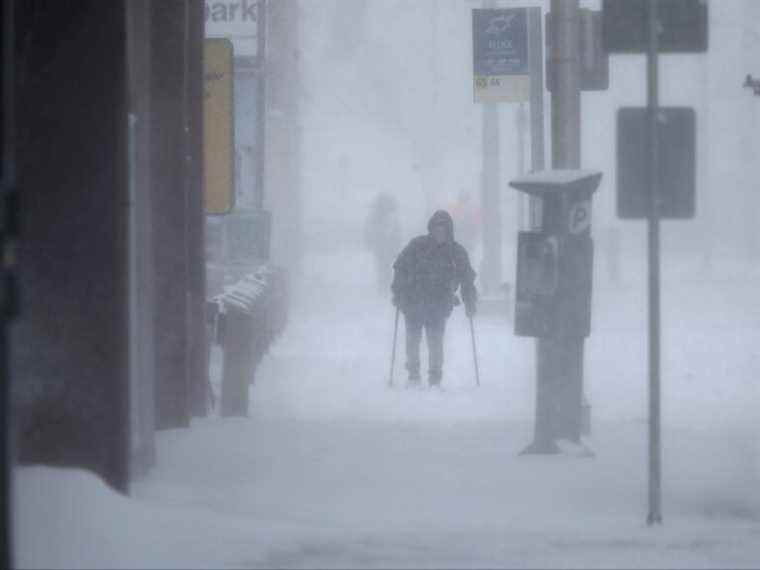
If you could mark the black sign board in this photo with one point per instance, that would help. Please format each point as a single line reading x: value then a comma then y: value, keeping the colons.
x: 677, y: 165
x: 683, y: 24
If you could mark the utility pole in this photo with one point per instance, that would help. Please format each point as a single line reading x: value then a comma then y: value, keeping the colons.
x: 560, y: 360
x: 566, y: 99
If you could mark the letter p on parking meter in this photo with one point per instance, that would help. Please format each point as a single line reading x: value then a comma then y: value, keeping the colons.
x: 555, y: 263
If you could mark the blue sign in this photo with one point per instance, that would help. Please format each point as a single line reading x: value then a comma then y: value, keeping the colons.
x: 500, y: 41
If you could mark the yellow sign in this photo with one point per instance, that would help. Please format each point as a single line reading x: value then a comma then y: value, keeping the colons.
x: 502, y: 88
x: 218, y: 121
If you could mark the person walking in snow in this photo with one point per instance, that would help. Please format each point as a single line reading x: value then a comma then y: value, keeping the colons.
x: 427, y: 274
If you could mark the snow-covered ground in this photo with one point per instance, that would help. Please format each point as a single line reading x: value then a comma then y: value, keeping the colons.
x: 333, y: 469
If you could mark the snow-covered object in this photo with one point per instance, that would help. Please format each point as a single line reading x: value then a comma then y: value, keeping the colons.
x: 243, y: 295
x: 263, y: 296
x: 247, y: 292
x: 546, y: 182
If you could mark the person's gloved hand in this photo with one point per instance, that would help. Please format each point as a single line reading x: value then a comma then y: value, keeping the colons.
x: 469, y: 309
x: 455, y: 300
x: 395, y: 300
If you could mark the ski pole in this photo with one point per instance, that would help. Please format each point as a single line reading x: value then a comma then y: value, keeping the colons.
x: 474, y: 352
x: 393, y: 352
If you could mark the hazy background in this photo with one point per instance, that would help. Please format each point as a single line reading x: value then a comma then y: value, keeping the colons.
x: 388, y: 106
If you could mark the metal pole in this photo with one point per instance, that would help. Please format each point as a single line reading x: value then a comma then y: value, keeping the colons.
x: 393, y: 351
x: 542, y: 433
x: 703, y: 166
x: 562, y: 369
x: 655, y: 515
x: 566, y: 106
x: 474, y: 352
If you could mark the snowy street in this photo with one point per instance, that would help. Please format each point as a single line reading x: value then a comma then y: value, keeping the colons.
x: 218, y: 216
x: 333, y: 469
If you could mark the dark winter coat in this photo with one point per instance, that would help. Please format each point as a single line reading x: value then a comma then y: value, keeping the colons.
x: 427, y: 274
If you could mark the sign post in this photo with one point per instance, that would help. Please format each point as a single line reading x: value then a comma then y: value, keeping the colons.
x: 655, y: 452
x: 651, y: 27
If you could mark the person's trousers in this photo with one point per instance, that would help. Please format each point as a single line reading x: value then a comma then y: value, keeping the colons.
x: 434, y: 330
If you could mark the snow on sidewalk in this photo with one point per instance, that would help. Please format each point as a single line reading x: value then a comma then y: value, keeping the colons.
x: 333, y: 469
x: 269, y: 493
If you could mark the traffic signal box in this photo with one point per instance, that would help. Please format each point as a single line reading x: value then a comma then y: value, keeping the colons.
x: 554, y: 264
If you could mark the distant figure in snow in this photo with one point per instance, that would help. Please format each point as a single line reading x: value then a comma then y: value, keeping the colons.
x: 428, y: 273
x: 382, y: 236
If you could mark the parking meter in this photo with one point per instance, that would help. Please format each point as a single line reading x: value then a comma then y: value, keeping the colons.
x: 555, y: 262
